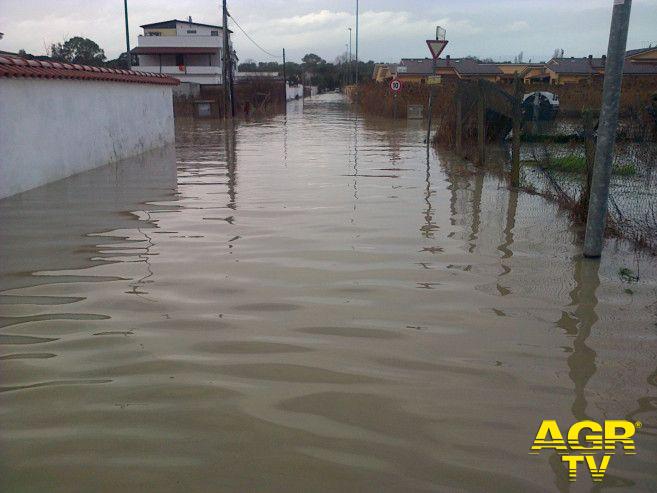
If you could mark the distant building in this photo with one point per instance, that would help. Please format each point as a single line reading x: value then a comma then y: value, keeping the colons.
x: 189, y: 51
x: 641, y: 62
x: 384, y: 71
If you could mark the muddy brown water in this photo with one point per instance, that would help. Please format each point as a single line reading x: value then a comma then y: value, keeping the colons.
x: 305, y: 303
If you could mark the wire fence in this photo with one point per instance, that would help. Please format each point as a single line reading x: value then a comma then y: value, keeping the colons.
x: 558, y: 170
x: 556, y: 157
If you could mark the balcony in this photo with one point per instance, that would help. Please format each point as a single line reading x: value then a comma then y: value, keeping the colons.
x: 180, y: 42
x: 175, y: 70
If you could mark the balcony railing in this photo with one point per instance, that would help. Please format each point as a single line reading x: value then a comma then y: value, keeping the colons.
x: 180, y: 41
x: 175, y: 69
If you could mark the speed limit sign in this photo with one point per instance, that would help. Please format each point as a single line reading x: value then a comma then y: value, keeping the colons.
x: 396, y: 85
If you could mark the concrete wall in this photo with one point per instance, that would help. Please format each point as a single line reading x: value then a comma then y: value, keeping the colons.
x: 52, y: 129
x: 186, y: 90
x: 293, y: 92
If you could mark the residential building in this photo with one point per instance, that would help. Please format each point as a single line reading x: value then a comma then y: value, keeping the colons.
x: 189, y: 51
x: 384, y: 71
x: 414, y: 69
x: 641, y: 62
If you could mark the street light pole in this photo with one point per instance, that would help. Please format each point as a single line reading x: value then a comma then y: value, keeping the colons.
x: 599, y: 194
x: 349, y: 70
x: 127, y: 35
x: 356, y: 42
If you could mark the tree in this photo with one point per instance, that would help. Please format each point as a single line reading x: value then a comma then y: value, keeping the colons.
x: 29, y: 56
x: 312, y: 60
x: 558, y: 53
x: 247, y: 66
x: 79, y: 50
x: 120, y: 62
x: 519, y: 58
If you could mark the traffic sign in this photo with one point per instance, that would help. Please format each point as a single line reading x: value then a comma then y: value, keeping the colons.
x: 436, y: 46
x: 396, y: 85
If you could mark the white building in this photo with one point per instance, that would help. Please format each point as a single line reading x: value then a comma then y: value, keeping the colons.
x: 189, y: 51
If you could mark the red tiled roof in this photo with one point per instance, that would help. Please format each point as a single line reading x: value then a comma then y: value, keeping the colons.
x: 11, y: 66
x: 172, y: 50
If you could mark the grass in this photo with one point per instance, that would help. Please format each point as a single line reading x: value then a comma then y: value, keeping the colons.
x: 573, y: 163
x: 549, y: 139
x: 627, y: 275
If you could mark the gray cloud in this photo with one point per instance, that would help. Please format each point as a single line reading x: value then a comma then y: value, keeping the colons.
x: 389, y: 29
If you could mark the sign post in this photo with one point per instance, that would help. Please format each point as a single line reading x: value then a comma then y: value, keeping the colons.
x: 395, y: 87
x: 436, y: 47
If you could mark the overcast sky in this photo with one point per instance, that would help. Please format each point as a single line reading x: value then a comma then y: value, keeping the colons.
x: 389, y: 29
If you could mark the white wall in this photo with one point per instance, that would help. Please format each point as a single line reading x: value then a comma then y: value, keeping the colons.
x: 183, y: 27
x: 52, y: 129
x: 183, y: 41
x: 293, y: 92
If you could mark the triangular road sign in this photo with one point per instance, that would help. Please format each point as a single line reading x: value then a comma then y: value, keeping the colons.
x: 436, y: 47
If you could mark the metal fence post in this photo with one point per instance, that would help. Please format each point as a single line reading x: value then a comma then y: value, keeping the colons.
x: 595, y: 224
x: 430, y: 118
x: 481, y: 124
x: 459, y: 124
x: 517, y: 128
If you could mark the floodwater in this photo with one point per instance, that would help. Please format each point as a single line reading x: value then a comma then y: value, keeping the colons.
x: 306, y: 303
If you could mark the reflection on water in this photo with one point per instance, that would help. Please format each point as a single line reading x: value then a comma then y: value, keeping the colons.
x: 308, y: 303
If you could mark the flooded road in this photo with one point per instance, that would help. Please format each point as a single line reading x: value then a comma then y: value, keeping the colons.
x: 306, y: 303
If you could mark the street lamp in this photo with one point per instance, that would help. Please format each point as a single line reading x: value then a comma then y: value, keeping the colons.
x: 356, y: 42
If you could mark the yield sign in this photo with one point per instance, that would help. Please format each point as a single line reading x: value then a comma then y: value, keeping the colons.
x: 436, y: 46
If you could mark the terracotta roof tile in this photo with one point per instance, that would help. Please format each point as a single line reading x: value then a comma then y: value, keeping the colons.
x: 12, y: 66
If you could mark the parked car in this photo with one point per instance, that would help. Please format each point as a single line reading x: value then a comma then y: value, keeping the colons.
x: 548, y: 104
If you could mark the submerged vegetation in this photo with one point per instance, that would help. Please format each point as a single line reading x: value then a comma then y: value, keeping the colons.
x: 573, y: 163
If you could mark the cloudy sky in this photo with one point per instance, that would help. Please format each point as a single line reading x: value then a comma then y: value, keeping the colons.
x: 389, y: 29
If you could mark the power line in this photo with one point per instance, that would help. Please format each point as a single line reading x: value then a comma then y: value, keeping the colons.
x: 250, y: 38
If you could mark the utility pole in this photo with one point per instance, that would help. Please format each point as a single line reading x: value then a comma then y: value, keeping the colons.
x: 356, y: 42
x: 284, y: 80
x: 595, y: 224
x: 127, y: 35
x: 225, y: 58
x: 231, y: 85
x: 349, y: 69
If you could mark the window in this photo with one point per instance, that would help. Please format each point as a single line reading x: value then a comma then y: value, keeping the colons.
x: 180, y: 59
x: 153, y: 33
x: 214, y: 33
x: 191, y: 31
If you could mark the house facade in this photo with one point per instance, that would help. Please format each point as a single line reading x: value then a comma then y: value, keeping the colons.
x: 640, y: 62
x: 189, y: 51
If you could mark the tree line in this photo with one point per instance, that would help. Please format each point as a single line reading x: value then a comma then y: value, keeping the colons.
x: 82, y: 51
x: 315, y: 71
x: 312, y: 70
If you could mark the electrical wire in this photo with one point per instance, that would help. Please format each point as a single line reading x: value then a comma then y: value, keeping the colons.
x: 251, y: 39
